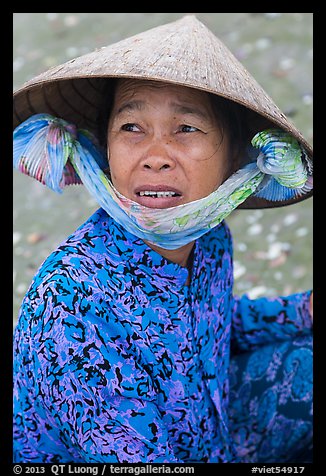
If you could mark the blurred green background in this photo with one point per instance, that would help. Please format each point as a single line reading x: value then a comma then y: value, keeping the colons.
x: 272, y: 248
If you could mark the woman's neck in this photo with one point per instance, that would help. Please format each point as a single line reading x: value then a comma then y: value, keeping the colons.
x: 182, y: 256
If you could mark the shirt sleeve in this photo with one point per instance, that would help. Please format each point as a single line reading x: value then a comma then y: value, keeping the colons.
x: 265, y: 320
x: 94, y: 398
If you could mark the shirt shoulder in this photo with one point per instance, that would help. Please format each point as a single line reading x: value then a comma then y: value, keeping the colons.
x: 75, y: 268
x: 80, y: 254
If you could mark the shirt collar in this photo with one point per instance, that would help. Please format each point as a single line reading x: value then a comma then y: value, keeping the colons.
x: 135, y: 252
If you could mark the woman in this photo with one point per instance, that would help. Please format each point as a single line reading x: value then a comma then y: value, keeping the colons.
x: 130, y: 346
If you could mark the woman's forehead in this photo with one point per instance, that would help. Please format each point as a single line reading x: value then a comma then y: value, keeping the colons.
x: 134, y: 89
x: 127, y: 88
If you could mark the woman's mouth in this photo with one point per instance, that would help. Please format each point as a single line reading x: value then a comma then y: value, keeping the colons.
x: 158, y: 196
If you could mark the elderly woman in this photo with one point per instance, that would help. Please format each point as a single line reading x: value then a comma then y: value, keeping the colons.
x: 130, y: 345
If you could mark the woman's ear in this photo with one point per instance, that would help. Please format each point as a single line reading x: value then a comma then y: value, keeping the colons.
x: 235, y: 162
x: 107, y: 172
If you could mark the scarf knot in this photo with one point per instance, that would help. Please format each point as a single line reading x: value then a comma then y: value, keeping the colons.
x: 285, y: 164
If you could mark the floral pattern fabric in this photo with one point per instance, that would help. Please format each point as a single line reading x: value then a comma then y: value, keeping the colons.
x: 116, y: 359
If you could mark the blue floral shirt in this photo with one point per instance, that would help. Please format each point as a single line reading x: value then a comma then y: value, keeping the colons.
x: 116, y: 359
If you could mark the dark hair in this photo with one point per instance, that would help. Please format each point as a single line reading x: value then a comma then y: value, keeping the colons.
x: 105, y: 111
x: 232, y: 119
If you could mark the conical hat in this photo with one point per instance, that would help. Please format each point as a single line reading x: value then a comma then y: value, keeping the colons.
x: 183, y: 52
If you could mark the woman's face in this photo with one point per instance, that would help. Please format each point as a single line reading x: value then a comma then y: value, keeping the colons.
x: 165, y: 144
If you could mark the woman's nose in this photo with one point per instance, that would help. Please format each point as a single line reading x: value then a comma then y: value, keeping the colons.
x: 158, y: 158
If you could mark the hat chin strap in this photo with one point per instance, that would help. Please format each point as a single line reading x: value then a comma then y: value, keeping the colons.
x: 55, y: 153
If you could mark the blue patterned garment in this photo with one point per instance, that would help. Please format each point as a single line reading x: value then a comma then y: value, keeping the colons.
x: 117, y: 360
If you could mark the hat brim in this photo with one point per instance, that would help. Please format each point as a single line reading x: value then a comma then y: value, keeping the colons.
x: 183, y: 52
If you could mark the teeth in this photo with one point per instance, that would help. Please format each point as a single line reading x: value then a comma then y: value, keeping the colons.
x: 157, y: 194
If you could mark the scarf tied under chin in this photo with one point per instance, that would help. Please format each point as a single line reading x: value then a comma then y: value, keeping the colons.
x: 57, y: 154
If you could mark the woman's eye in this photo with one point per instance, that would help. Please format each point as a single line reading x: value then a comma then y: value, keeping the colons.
x: 186, y: 128
x: 130, y: 127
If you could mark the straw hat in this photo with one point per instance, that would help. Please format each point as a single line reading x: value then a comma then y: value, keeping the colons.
x: 183, y: 52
